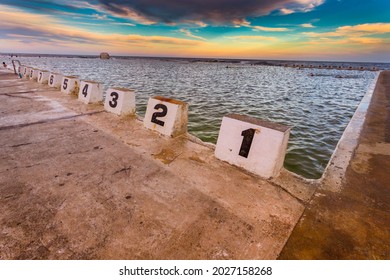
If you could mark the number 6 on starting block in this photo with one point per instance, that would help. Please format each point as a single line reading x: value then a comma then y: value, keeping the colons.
x: 90, y: 92
x: 167, y: 116
x: 55, y: 80
x: 120, y: 101
x: 253, y: 144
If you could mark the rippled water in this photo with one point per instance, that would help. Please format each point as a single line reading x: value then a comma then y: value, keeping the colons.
x: 318, y: 107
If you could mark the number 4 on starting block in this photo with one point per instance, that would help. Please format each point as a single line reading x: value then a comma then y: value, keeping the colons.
x: 167, y: 116
x: 90, y: 92
x: 253, y: 144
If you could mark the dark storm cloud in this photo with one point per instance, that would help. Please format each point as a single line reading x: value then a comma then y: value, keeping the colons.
x: 215, y: 11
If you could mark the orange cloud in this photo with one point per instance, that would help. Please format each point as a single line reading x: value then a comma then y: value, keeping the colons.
x: 55, y: 31
x: 366, y: 29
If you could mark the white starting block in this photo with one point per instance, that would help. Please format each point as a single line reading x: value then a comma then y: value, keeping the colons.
x: 43, y: 77
x: 26, y: 72
x: 23, y: 70
x: 34, y: 74
x: 90, y: 92
x: 167, y: 116
x: 55, y: 80
x: 253, y: 144
x: 120, y: 101
x: 70, y: 85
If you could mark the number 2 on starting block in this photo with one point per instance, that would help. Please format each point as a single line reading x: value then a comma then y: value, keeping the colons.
x: 167, y: 116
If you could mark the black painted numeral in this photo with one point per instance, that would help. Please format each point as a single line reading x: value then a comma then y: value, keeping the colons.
x: 31, y: 72
x: 246, y: 142
x: 25, y: 71
x: 51, y: 79
x: 65, y: 85
x: 114, y: 102
x: 40, y: 76
x: 160, y: 114
x: 85, y: 90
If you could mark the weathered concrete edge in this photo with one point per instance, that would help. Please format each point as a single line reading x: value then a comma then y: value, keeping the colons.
x: 334, y: 173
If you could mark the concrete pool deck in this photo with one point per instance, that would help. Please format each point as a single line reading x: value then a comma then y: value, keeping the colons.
x: 352, y: 221
x: 77, y: 182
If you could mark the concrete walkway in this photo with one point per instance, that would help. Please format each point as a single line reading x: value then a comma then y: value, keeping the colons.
x: 79, y: 183
x: 354, y: 221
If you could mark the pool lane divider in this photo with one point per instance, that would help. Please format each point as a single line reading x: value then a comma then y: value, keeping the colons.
x: 255, y: 145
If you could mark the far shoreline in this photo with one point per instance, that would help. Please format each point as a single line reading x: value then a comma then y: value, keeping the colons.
x: 251, y: 61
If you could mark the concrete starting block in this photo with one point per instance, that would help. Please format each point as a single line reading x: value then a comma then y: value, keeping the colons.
x: 90, y: 92
x: 55, y: 80
x: 26, y: 72
x: 43, y: 77
x: 120, y: 101
x: 167, y: 116
x: 34, y: 74
x: 70, y: 85
x: 253, y: 144
x: 23, y: 70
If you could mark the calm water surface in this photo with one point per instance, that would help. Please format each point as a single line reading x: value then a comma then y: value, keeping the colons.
x: 318, y: 108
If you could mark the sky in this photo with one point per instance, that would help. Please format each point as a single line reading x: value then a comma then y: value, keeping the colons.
x: 327, y: 30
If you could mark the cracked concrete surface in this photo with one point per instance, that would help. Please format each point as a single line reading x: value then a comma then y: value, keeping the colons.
x: 79, y: 183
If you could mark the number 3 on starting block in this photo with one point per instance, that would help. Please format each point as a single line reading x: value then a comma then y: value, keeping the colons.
x: 120, y: 101
x: 253, y: 144
x: 167, y: 116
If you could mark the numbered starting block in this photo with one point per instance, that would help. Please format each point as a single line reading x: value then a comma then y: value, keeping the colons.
x: 253, y: 144
x: 43, y: 77
x: 55, y: 80
x: 27, y: 72
x: 21, y: 70
x: 34, y: 74
x: 70, y: 85
x: 120, y: 101
x: 90, y: 92
x: 167, y: 116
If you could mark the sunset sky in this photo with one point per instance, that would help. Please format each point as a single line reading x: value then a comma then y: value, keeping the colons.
x: 341, y: 30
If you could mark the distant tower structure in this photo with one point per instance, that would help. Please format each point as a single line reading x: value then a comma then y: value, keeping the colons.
x: 104, y: 55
